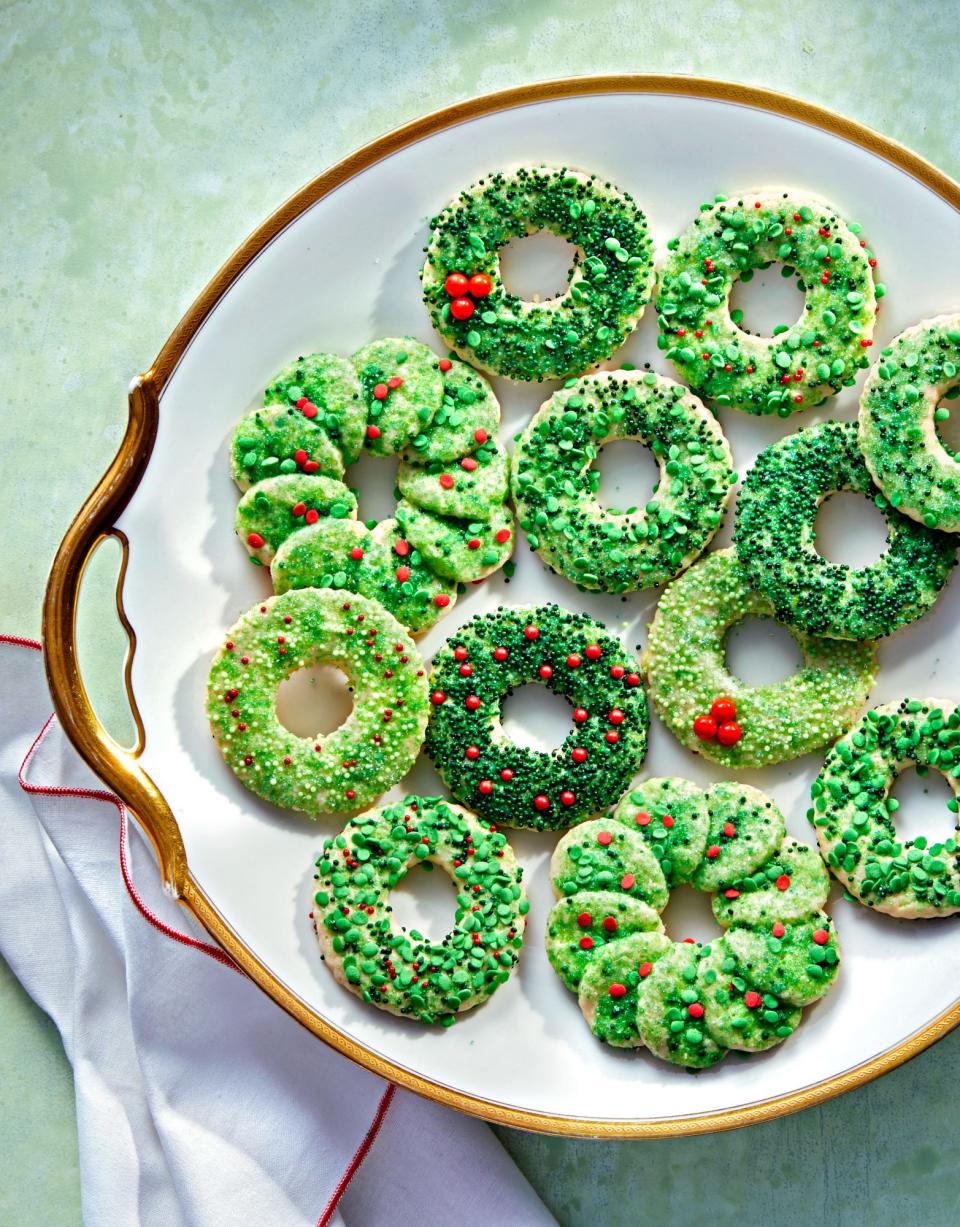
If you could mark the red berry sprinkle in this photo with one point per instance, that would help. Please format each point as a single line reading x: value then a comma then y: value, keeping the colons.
x: 531, y: 632
x: 437, y: 698
x: 778, y: 929
x: 312, y: 516
x: 642, y: 818
x: 480, y: 285
x: 445, y: 364
x: 604, y: 838
x: 573, y: 661
x: 567, y: 797
x: 586, y: 943
x: 462, y: 308
x: 713, y: 852
x: 610, y: 924
x: 472, y: 702
x: 580, y: 714
x: 403, y: 574
x: 617, y: 990
x: 456, y: 285
x: 578, y: 754
x: 254, y: 540
x: 821, y: 936
x: 615, y: 716
x: 584, y: 920
x: 705, y: 728
x: 441, y: 600
x: 644, y: 970
x: 481, y: 436
x: 500, y: 654
x: 783, y: 882
x: 472, y: 752
x: 628, y: 882
x: 593, y: 651
x: 730, y: 733
x: 381, y: 391
x: 486, y: 787
x: 503, y: 536
x: 541, y: 802
x: 751, y: 999
x: 723, y: 709
x: 695, y: 1009
x: 373, y: 432
x: 446, y: 481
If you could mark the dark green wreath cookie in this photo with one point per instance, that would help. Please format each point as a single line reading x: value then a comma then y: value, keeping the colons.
x: 855, y: 815
x: 775, y: 539
x: 574, y: 656
x: 555, y: 484
x: 399, y: 969
x: 611, y: 278
x: 802, y: 364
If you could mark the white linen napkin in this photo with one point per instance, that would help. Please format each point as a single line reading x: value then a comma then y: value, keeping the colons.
x: 198, y: 1100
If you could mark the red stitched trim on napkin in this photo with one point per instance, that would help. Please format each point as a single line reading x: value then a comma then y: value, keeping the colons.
x: 185, y: 939
x: 92, y: 794
x: 362, y: 1151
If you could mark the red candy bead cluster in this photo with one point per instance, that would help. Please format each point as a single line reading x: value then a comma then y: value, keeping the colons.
x: 464, y: 291
x: 720, y: 724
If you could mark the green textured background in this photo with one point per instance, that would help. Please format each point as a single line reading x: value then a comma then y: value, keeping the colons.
x: 140, y: 143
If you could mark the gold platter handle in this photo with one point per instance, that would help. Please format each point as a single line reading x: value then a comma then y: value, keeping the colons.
x: 117, y: 765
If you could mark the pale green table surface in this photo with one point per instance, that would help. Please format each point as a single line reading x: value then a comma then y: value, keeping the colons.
x: 139, y: 145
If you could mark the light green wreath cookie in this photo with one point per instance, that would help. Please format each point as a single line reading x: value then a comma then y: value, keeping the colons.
x: 898, y: 423
x: 555, y: 484
x: 688, y: 674
x: 689, y: 1003
x: 800, y: 365
x: 377, y: 744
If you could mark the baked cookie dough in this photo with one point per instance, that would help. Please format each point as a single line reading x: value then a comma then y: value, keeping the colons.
x: 555, y: 484
x: 611, y: 279
x: 574, y: 656
x: 802, y: 364
x: 775, y: 540
x: 398, y: 969
x: 898, y: 423
x: 758, y: 726
x: 686, y: 1002
x: 854, y: 814
x: 351, y: 767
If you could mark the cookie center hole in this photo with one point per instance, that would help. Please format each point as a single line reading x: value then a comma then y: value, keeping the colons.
x: 314, y: 701
x: 850, y: 530
x: 374, y: 479
x: 537, y: 266
x: 688, y: 914
x: 948, y: 430
x: 923, y: 806
x: 534, y: 717
x: 761, y: 652
x: 628, y: 475
x: 768, y: 298
x: 425, y: 901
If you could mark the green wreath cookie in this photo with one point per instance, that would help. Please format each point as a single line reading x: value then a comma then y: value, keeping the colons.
x: 555, y: 486
x: 775, y: 539
x: 377, y: 744
x: 898, y: 423
x: 611, y: 279
x: 394, y: 397
x: 800, y: 365
x: 687, y: 1003
x: 710, y: 710
x: 855, y: 816
x: 572, y: 655
x: 399, y: 969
